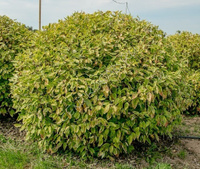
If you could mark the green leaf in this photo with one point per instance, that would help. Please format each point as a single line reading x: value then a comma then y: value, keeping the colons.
x: 130, y: 139
x: 109, y: 115
x: 100, y: 140
x: 92, y: 151
x: 126, y: 105
x: 64, y: 146
x: 88, y: 102
x: 98, y: 108
x: 134, y: 103
x: 106, y: 109
x: 18, y: 125
x: 119, y: 134
x: 77, y: 115
x: 137, y: 132
x: 111, y: 149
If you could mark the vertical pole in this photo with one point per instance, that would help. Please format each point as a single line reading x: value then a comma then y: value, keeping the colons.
x: 126, y: 7
x: 39, y: 14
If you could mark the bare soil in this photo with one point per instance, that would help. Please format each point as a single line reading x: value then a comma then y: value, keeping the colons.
x: 186, y: 152
x: 8, y: 129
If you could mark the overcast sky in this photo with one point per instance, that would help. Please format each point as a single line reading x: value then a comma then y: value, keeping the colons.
x: 169, y: 15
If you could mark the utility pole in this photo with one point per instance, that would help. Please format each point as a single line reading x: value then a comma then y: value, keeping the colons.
x: 40, y: 15
x: 126, y: 7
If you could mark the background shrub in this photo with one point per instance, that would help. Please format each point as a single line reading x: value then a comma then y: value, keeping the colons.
x: 194, y: 79
x: 188, y: 48
x: 12, y: 37
x: 97, y: 83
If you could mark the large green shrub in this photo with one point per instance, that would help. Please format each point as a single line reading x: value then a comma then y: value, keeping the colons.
x: 12, y: 37
x: 188, y: 48
x: 97, y: 83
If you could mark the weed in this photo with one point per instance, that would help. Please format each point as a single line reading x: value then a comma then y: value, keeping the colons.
x: 152, y: 154
x: 123, y: 166
x: 161, y: 166
x: 182, y: 154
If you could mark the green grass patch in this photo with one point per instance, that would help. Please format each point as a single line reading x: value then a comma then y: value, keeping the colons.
x: 161, y: 166
x: 10, y: 156
x: 20, y: 155
x: 17, y: 154
x: 182, y: 154
x: 12, y: 159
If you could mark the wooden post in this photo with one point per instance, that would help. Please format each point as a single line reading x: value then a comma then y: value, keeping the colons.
x: 40, y: 15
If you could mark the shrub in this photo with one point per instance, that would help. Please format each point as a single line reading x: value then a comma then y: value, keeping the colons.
x: 98, y: 83
x: 12, y: 37
x: 188, y: 48
x: 193, y: 78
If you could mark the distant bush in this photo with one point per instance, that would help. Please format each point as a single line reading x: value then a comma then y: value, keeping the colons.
x: 194, y: 79
x: 13, y: 35
x: 188, y: 48
x: 97, y: 83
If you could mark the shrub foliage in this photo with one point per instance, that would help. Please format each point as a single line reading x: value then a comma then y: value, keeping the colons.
x: 188, y: 48
x: 97, y: 83
x: 12, y: 36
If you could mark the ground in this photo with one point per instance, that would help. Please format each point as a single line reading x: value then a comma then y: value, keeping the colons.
x: 175, y: 153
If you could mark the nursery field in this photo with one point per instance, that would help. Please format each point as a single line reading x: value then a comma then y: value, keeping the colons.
x: 15, y: 153
x: 101, y: 90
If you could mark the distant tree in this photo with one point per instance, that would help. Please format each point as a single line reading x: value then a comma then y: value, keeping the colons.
x: 31, y: 28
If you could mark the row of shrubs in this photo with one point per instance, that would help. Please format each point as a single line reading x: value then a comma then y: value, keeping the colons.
x: 97, y: 83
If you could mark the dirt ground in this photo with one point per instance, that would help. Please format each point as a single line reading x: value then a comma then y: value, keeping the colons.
x: 180, y: 153
x: 185, y: 151
x: 8, y: 129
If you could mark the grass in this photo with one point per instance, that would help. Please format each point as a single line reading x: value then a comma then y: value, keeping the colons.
x: 17, y: 154
x: 10, y: 157
x: 182, y: 154
x: 162, y: 166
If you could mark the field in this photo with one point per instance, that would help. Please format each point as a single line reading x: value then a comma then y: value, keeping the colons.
x: 16, y: 153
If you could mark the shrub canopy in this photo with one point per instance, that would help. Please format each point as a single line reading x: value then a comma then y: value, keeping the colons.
x: 188, y: 47
x: 12, y: 37
x: 97, y: 83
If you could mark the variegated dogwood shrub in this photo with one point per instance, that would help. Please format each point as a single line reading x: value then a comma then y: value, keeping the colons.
x: 13, y: 35
x: 97, y: 83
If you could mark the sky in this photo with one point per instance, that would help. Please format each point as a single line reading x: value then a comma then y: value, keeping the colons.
x: 169, y: 15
